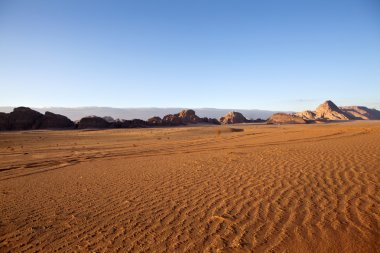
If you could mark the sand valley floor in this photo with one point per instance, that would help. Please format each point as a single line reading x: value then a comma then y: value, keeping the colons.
x: 240, y: 188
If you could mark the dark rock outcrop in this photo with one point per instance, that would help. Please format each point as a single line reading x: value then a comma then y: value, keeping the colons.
x: 55, y: 121
x: 258, y: 120
x: 155, y: 121
x: 109, y: 119
x: 4, y: 121
x: 233, y: 118
x: 171, y: 120
x: 93, y: 122
x: 283, y: 118
x: 135, y: 123
x: 210, y: 121
x: 24, y: 118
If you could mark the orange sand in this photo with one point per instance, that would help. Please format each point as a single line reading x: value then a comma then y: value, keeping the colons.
x: 293, y: 188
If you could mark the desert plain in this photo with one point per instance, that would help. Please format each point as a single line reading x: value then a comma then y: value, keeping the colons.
x: 235, y: 188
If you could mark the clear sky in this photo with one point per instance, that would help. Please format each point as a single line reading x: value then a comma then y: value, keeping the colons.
x: 276, y: 55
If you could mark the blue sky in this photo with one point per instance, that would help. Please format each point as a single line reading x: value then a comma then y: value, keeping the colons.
x: 276, y: 55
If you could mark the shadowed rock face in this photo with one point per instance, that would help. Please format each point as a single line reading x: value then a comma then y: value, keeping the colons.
x: 4, y: 119
x: 361, y: 112
x: 135, y: 123
x: 171, y: 120
x: 109, y: 119
x: 155, y: 121
x: 328, y: 110
x: 93, y: 122
x: 283, y: 118
x: 51, y: 120
x: 210, y: 121
x: 233, y: 118
x: 24, y: 118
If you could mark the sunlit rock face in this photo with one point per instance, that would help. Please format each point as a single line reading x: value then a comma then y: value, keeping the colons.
x: 233, y: 118
x: 284, y: 118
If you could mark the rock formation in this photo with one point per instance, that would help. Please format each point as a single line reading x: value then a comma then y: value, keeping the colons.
x: 171, y: 120
x: 361, y: 112
x: 233, y: 118
x: 51, y: 121
x: 93, y: 122
x: 283, y: 118
x: 182, y: 118
x: 109, y: 119
x: 24, y: 118
x: 155, y: 121
x: 210, y: 121
x: 307, y: 115
x: 258, y: 120
x: 4, y: 121
x: 328, y: 110
x: 134, y: 123
x: 189, y: 117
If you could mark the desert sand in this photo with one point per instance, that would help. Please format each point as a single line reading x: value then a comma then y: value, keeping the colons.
x: 240, y: 188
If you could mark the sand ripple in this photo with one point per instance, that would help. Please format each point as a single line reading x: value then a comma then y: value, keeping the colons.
x: 267, y: 189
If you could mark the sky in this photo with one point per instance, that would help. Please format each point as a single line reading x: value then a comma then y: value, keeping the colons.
x: 273, y: 54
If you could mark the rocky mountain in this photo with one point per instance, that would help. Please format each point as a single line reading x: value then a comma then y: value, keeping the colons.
x: 360, y: 112
x: 134, y: 123
x: 182, y: 118
x: 109, y: 119
x: 24, y: 118
x: 171, y: 120
x: 55, y: 121
x: 155, y: 121
x: 233, y: 118
x: 284, y: 118
x: 328, y: 110
x: 210, y: 121
x: 307, y: 115
x: 93, y: 122
x: 189, y: 117
x: 4, y: 121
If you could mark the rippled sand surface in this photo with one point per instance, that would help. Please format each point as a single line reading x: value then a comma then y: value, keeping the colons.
x: 241, y: 188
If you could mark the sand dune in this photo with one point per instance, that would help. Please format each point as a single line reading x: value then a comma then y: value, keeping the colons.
x: 253, y: 188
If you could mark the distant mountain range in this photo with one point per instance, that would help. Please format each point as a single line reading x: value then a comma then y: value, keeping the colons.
x: 327, y: 111
x: 24, y: 118
x: 330, y: 111
x: 143, y: 113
